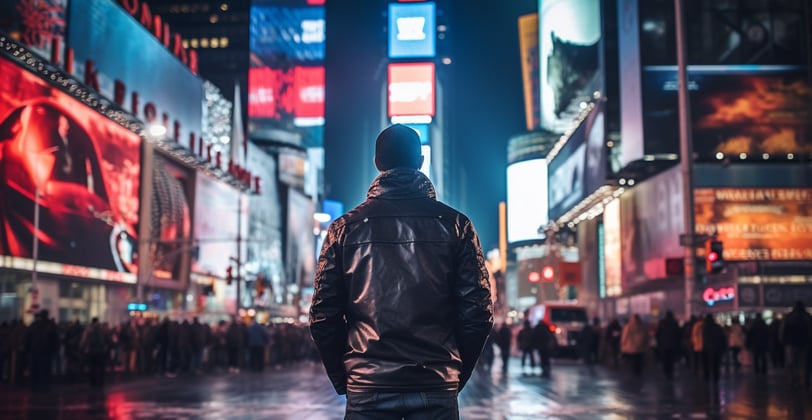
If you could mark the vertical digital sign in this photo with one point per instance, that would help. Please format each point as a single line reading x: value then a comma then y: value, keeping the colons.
x: 569, y: 51
x: 526, y: 199
x: 411, y: 89
x: 286, y: 75
x: 412, y: 32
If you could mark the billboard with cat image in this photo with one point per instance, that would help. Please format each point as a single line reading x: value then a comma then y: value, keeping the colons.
x: 570, y: 59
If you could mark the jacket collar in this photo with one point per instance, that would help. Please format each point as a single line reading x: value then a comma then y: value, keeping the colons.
x: 401, y: 183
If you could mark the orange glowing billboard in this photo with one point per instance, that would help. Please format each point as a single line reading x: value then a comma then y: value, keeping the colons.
x: 757, y: 223
x: 529, y: 50
x: 411, y: 89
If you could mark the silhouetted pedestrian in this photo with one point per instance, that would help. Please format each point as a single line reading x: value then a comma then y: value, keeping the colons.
x: 758, y: 342
x: 714, y: 344
x: 525, y: 342
x: 504, y: 339
x: 42, y: 343
x: 669, y: 339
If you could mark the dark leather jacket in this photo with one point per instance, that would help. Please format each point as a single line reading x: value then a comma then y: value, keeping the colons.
x: 402, y: 301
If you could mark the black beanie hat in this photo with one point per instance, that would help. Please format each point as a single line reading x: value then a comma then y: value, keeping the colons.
x: 397, y: 146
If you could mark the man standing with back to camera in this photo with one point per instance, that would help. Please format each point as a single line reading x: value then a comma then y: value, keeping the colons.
x: 402, y: 304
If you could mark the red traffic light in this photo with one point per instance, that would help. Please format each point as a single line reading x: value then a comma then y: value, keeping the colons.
x: 712, y: 256
x: 534, y: 277
x: 548, y: 273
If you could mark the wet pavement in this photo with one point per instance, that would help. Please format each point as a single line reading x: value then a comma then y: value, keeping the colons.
x: 301, y: 391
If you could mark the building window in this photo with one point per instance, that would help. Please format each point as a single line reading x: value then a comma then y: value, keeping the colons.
x: 194, y: 43
x: 224, y: 42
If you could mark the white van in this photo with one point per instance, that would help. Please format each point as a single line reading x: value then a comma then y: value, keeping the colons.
x: 565, y: 320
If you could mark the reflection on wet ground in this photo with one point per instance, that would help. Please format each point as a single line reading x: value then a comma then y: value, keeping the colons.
x: 574, y: 391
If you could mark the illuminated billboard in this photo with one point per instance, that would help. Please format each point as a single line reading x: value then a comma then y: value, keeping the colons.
x: 300, y: 252
x: 529, y: 50
x: 569, y: 50
x: 526, y: 200
x: 411, y: 89
x: 171, y: 227
x: 651, y: 220
x: 217, y: 209
x: 308, y: 103
x: 749, y: 85
x: 134, y: 69
x: 612, y: 250
x: 39, y: 25
x: 735, y: 110
x: 281, y: 36
x: 295, y: 95
x: 286, y: 74
x: 579, y: 168
x: 81, y: 172
x: 757, y: 223
x: 412, y: 32
x: 264, y: 244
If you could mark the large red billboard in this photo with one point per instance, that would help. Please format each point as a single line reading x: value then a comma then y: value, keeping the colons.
x: 411, y: 89
x: 296, y: 93
x: 77, y: 169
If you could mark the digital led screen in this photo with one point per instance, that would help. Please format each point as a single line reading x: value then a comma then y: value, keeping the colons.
x: 411, y: 89
x: 632, y: 147
x: 757, y: 223
x: 569, y: 50
x: 85, y: 167
x: 295, y: 95
x: 286, y: 74
x: 123, y: 50
x: 529, y: 51
x: 217, y: 210
x: 612, y: 249
x: 412, y: 32
x: 526, y: 200
x: 300, y: 252
x: 281, y: 36
x: 425, y: 168
x: 308, y: 108
x: 264, y: 245
x: 171, y: 235
x: 39, y: 25
x: 744, y: 58
x: 580, y: 166
x: 651, y: 220
x: 753, y: 110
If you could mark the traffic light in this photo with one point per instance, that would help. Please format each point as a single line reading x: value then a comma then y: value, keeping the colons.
x: 714, y: 261
x: 229, y: 275
x: 534, y: 277
x: 548, y: 273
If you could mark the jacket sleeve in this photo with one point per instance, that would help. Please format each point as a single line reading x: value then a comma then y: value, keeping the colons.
x: 474, y: 305
x: 327, y: 311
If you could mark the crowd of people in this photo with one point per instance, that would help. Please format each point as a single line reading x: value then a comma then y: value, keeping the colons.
x: 32, y: 355
x: 700, y: 344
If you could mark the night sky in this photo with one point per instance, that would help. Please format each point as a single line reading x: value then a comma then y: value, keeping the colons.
x: 488, y: 102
